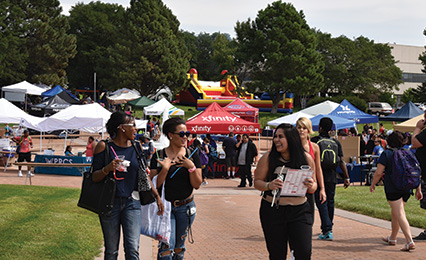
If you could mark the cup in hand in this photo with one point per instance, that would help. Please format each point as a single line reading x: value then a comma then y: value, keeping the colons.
x: 120, y: 167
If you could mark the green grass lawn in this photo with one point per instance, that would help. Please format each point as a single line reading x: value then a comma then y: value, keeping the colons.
x: 359, y: 199
x: 45, y: 223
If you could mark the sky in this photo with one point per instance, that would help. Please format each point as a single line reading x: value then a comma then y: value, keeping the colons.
x: 384, y: 21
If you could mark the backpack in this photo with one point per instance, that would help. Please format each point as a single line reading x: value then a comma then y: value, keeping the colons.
x: 213, y: 153
x: 329, y: 152
x: 204, y: 158
x: 405, y: 170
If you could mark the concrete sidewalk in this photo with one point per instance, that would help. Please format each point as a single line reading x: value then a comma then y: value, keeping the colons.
x: 227, y: 226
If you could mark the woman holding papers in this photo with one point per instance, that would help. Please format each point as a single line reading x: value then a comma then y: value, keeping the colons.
x: 180, y: 172
x: 285, y: 219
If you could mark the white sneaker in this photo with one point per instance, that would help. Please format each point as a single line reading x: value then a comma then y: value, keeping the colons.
x: 30, y: 174
x: 20, y: 174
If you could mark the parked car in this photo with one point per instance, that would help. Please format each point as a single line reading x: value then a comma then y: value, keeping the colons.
x: 380, y: 108
x: 421, y: 106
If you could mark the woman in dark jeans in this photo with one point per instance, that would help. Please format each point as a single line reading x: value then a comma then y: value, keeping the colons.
x: 291, y: 220
x: 180, y: 176
x: 126, y: 212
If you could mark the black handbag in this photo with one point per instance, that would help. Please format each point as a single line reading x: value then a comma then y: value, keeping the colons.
x: 146, y: 195
x: 98, y: 197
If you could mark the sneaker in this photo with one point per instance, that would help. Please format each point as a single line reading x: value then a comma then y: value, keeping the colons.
x: 30, y: 174
x: 421, y: 236
x: 20, y: 174
x: 204, y: 183
x: 328, y: 236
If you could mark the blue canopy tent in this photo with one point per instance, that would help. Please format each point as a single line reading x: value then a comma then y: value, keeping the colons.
x: 408, y: 111
x: 338, y: 122
x: 63, y: 93
x: 349, y: 111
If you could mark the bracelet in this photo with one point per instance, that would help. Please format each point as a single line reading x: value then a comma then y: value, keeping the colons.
x: 267, y: 185
x: 103, y: 168
x: 192, y: 169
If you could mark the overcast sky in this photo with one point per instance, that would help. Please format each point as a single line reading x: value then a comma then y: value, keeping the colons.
x: 384, y: 21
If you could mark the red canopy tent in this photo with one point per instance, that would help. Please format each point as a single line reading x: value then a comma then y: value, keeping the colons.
x: 216, y: 120
x: 243, y: 110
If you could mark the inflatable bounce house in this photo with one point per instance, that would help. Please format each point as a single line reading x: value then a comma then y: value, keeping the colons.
x: 203, y: 93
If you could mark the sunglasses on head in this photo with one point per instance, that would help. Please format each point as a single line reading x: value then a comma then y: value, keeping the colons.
x: 182, y: 133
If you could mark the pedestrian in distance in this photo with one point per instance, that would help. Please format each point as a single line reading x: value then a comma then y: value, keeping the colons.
x: 418, y: 142
x: 395, y: 197
x: 125, y: 217
x: 331, y: 155
x: 24, y: 143
x: 290, y: 220
x: 246, y: 155
x: 230, y: 148
x: 179, y: 174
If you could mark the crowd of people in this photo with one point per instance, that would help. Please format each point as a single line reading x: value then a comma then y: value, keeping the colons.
x: 286, y: 220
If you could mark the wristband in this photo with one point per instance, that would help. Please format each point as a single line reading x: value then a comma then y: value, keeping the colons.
x: 267, y: 185
x: 192, y: 169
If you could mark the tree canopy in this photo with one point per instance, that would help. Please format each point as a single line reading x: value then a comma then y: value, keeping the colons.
x: 279, y: 50
x: 38, y: 46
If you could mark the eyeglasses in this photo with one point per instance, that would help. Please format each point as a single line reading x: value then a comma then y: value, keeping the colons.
x: 182, y: 133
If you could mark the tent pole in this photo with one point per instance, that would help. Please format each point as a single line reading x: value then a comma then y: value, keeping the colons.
x: 65, y: 143
x: 41, y: 140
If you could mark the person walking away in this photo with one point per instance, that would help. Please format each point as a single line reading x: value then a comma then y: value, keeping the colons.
x: 24, y: 143
x: 205, y: 148
x: 212, y: 155
x: 246, y: 156
x: 330, y: 160
x: 289, y: 220
x: 180, y: 176
x: 126, y: 212
x: 418, y: 141
x: 230, y: 148
x: 395, y: 197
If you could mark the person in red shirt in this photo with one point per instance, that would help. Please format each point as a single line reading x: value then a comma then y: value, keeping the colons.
x: 24, y: 153
x: 90, y: 147
x: 381, y: 129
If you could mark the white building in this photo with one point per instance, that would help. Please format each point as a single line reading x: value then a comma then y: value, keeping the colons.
x: 407, y: 58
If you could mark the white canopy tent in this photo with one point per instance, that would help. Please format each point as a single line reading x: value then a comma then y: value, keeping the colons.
x: 12, y: 114
x: 322, y: 108
x: 161, y: 106
x: 289, y: 119
x: 19, y: 91
x: 123, y: 96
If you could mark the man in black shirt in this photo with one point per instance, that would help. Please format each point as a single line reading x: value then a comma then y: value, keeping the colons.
x: 418, y: 140
x: 229, y: 146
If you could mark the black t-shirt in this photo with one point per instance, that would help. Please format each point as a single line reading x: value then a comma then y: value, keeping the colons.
x: 179, y: 187
x: 421, y: 152
x: 230, y: 148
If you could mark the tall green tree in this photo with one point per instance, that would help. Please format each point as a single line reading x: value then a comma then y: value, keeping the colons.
x: 152, y: 53
x: 97, y: 28
x: 36, y: 46
x: 279, y: 49
x: 13, y: 54
x: 49, y: 45
x: 358, y: 66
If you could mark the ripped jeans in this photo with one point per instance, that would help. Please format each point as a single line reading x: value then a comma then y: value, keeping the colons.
x: 180, y: 222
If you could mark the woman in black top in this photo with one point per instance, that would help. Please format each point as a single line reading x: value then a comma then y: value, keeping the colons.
x: 291, y: 220
x: 180, y: 176
x: 126, y: 212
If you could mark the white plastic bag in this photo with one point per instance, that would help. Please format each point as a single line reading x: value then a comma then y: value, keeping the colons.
x: 153, y: 225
